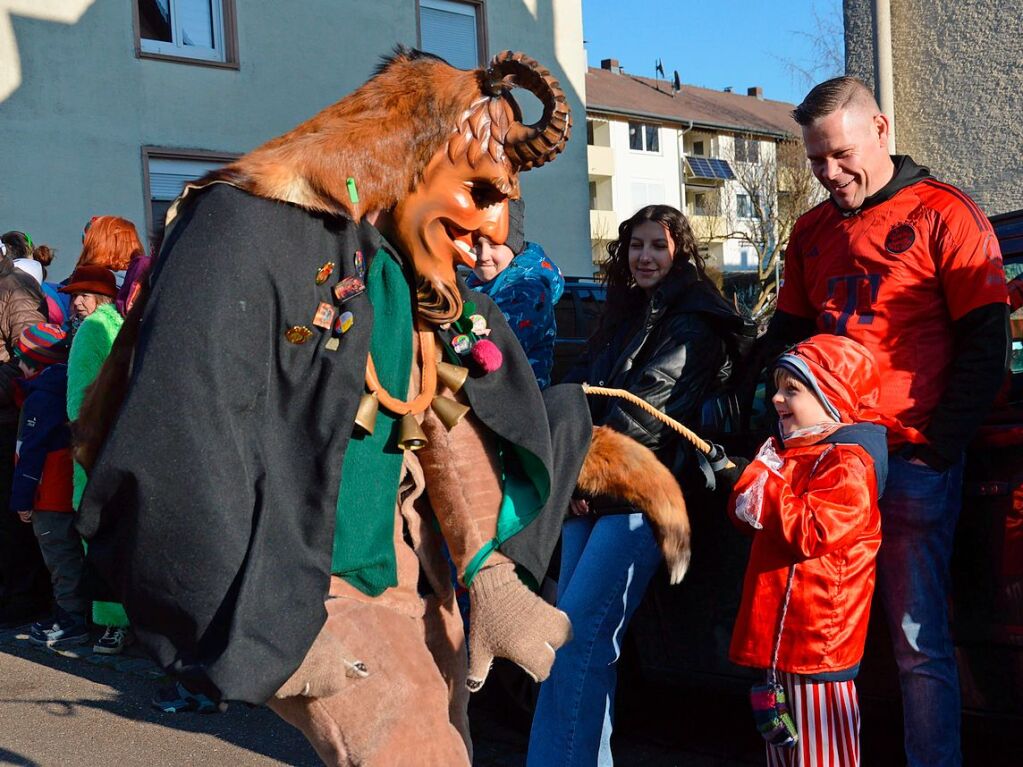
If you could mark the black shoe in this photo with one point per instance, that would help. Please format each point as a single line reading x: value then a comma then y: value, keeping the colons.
x: 64, y: 630
x: 113, y: 641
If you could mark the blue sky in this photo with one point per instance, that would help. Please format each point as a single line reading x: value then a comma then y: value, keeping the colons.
x: 738, y: 43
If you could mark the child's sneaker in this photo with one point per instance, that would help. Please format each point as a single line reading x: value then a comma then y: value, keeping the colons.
x: 63, y: 630
x: 113, y: 641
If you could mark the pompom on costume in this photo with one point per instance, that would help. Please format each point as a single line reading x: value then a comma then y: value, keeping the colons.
x: 344, y: 423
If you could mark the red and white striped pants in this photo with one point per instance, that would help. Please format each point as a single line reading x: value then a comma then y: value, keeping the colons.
x: 827, y: 717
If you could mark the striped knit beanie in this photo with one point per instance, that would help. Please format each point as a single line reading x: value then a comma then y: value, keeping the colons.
x: 42, y: 344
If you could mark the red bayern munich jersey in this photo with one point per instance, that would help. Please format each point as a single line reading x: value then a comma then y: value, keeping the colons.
x: 895, y: 277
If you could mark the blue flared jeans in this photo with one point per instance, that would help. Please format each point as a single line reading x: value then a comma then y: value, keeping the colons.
x: 606, y: 564
x: 919, y: 511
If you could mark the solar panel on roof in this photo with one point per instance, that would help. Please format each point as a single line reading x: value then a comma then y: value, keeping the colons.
x: 710, y: 167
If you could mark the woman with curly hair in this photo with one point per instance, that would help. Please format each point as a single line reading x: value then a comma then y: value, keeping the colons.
x: 664, y: 336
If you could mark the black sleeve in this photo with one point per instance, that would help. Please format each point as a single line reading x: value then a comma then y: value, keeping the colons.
x: 783, y: 331
x: 981, y: 348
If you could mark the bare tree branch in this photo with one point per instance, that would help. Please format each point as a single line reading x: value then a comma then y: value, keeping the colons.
x: 780, y: 189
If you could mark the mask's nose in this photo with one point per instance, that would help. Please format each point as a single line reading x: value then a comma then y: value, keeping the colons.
x: 495, y: 225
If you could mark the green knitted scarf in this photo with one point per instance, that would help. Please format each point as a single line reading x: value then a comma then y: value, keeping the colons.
x: 364, y: 530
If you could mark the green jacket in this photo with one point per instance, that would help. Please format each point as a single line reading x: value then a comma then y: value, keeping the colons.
x: 89, y: 349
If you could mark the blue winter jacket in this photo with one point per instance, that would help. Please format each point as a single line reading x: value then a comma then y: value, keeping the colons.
x: 526, y: 292
x: 42, y: 472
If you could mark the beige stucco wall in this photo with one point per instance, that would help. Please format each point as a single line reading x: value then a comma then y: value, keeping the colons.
x: 71, y: 132
x: 958, y: 89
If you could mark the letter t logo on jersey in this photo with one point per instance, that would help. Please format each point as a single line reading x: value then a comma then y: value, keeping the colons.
x: 850, y: 295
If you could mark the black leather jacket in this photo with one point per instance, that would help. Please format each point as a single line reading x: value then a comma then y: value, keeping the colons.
x: 673, y: 357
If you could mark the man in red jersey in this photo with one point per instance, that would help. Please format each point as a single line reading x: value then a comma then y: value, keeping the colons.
x: 909, y: 267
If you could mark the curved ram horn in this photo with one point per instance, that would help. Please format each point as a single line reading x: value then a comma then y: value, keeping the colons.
x: 530, y: 146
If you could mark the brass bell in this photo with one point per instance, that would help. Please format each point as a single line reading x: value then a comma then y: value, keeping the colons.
x: 448, y: 411
x: 366, y: 415
x: 452, y: 376
x: 410, y: 435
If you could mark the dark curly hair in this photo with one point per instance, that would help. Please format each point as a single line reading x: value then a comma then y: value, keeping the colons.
x: 624, y: 297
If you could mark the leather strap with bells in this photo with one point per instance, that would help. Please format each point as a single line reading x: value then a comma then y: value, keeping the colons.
x: 410, y: 435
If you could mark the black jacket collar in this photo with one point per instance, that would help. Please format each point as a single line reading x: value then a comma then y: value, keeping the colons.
x: 906, y: 174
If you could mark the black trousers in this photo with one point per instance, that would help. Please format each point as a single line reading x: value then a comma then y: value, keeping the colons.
x: 24, y: 581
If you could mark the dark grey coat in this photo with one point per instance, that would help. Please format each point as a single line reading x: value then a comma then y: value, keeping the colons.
x: 211, y: 508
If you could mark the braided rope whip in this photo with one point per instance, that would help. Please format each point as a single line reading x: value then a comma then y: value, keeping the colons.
x: 700, y: 444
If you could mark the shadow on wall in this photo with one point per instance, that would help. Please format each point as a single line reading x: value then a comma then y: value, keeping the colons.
x: 59, y: 11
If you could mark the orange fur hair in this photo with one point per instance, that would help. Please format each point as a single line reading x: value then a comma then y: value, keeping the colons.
x: 620, y: 467
x: 382, y: 135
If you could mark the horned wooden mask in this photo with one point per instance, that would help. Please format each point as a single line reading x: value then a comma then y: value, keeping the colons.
x: 435, y: 153
x: 465, y: 187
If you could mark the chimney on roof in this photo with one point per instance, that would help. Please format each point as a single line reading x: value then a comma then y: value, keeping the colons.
x: 756, y: 92
x: 611, y: 65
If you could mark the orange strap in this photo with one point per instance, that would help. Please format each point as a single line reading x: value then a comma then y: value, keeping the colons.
x: 428, y: 385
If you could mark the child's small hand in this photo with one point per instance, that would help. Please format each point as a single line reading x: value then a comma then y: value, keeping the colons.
x: 580, y: 507
x: 25, y: 516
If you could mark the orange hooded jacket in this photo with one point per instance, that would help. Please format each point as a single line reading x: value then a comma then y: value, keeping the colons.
x: 812, y: 502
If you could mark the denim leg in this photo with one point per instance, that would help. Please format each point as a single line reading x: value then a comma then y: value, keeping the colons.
x: 606, y: 579
x: 919, y: 511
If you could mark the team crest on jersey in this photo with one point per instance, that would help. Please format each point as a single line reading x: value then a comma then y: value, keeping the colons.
x: 900, y: 238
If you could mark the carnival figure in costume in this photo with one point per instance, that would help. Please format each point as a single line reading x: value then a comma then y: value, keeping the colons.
x: 309, y: 406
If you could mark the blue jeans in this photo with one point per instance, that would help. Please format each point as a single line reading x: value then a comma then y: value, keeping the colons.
x: 919, y: 511
x: 606, y: 564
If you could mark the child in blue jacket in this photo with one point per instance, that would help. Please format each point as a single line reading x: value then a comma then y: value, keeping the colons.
x: 42, y: 486
x: 525, y: 284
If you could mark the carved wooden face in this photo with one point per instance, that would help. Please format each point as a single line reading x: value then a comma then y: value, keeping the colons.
x: 438, y: 225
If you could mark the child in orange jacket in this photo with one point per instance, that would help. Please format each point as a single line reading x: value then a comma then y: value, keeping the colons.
x: 810, y: 499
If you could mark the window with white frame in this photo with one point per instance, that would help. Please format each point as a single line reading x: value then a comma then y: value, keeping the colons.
x: 743, y: 206
x: 167, y: 178
x: 190, y: 29
x: 747, y: 149
x: 647, y: 193
x: 643, y: 137
x: 699, y: 148
x: 451, y: 30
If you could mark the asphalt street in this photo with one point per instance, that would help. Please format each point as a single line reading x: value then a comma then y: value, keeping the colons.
x: 78, y: 708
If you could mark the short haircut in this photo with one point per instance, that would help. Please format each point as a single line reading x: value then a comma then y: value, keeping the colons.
x: 781, y: 375
x: 830, y: 96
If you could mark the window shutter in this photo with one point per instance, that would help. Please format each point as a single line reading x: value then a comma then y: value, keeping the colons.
x: 448, y: 30
x: 168, y: 177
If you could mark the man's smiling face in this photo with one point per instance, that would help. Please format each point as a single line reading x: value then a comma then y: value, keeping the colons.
x: 848, y: 153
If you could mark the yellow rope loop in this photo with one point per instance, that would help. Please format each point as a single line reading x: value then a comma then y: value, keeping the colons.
x: 700, y: 444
